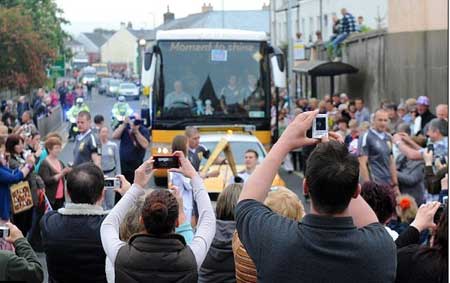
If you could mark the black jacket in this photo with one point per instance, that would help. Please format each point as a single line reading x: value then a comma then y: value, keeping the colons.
x: 416, y: 263
x: 72, y: 243
x: 147, y: 258
x: 219, y: 262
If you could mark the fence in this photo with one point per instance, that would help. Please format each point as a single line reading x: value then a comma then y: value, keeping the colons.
x: 51, y: 122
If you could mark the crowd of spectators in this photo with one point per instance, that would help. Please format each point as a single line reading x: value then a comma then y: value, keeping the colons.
x: 376, y: 188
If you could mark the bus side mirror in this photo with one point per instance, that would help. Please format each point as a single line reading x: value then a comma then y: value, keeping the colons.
x: 148, y: 60
x: 280, y: 60
x: 278, y: 70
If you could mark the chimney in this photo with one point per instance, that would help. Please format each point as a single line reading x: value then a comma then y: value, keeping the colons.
x: 129, y: 25
x: 168, y: 16
x: 207, y: 8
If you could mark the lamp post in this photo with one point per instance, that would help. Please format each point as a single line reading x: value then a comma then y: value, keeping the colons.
x: 142, y: 43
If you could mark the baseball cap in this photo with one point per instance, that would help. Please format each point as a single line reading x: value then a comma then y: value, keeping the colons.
x: 423, y: 100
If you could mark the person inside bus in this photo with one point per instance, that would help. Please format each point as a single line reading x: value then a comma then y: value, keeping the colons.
x: 178, y: 98
x: 231, y: 97
x: 253, y: 94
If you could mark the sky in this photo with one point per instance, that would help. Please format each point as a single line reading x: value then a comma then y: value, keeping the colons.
x: 85, y: 15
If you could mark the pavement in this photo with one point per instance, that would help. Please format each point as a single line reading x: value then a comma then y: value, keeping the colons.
x: 103, y: 105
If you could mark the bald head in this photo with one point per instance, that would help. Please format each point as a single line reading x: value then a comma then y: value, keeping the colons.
x: 442, y: 111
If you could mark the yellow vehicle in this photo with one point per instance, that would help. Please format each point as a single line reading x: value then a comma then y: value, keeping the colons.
x: 231, y: 146
x: 210, y: 77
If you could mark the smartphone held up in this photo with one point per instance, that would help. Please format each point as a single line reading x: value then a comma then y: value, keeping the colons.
x: 166, y: 162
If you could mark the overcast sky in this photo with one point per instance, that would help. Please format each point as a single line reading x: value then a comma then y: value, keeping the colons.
x: 85, y: 15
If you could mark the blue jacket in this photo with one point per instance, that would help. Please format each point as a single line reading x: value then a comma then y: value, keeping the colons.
x: 7, y: 177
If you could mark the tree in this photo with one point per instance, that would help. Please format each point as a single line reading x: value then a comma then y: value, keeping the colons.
x: 46, y: 20
x: 24, y: 52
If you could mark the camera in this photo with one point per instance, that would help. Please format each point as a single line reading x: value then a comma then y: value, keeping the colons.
x: 320, y: 126
x: 112, y: 183
x: 165, y: 162
x: 438, y: 214
x: 4, y: 232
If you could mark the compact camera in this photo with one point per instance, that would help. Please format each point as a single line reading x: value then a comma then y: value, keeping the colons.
x: 4, y: 232
x: 112, y: 183
x: 320, y: 126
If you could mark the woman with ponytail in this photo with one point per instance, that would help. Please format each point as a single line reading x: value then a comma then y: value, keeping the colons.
x: 158, y: 254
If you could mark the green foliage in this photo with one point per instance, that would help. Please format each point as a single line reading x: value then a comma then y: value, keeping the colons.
x: 24, y: 52
x: 30, y: 31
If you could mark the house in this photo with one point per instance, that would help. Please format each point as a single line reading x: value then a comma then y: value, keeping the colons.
x: 121, y: 50
x: 80, y: 57
x: 92, y: 42
x: 255, y: 20
x: 309, y: 16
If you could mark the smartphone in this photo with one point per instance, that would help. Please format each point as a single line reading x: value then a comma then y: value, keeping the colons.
x: 443, y: 160
x: 4, y: 232
x: 112, y: 183
x: 430, y: 147
x: 320, y: 126
x: 165, y: 162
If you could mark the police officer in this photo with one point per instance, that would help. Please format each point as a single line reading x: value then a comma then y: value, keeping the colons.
x: 120, y: 110
x: 72, y: 115
x: 87, y: 146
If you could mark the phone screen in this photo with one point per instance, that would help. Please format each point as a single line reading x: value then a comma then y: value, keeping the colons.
x: 165, y: 162
x: 321, y: 124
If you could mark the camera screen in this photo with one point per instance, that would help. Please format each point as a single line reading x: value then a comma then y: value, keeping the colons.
x: 109, y: 183
x: 166, y: 162
x: 321, y: 124
x: 4, y: 232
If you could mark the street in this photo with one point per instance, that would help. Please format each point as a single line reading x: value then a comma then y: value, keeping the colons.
x: 101, y: 104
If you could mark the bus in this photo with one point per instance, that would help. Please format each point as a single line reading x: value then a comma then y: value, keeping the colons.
x: 210, y: 77
x: 101, y: 70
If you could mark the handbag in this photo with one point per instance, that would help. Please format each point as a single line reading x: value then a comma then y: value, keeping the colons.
x: 21, y: 199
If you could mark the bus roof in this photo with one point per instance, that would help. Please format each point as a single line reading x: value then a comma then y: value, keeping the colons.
x: 211, y: 34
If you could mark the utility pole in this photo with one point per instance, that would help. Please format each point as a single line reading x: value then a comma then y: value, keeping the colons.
x: 321, y: 14
x: 290, y: 50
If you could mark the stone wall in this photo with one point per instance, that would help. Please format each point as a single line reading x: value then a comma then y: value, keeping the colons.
x: 394, y: 66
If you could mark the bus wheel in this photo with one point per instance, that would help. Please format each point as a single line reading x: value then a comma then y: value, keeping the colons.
x: 161, y: 182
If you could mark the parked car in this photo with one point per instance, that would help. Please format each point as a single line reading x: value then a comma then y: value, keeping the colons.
x: 129, y: 91
x: 113, y: 87
x: 103, y: 86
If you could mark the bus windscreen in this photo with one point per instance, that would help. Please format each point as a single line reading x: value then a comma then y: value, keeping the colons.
x: 213, y: 79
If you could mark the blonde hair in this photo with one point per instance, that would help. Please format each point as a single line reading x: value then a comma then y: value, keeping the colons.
x: 131, y: 222
x: 406, y: 208
x: 285, y: 202
x: 227, y: 200
x: 364, y: 126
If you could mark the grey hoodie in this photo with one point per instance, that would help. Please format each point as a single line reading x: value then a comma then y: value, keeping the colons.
x: 219, y: 263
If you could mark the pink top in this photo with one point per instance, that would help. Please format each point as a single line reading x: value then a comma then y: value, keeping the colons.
x: 60, y: 188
